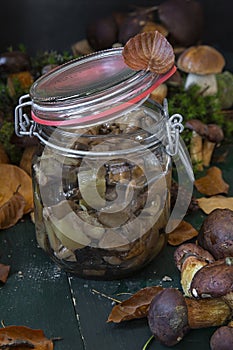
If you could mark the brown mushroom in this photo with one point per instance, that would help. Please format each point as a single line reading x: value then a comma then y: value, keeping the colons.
x: 214, y: 136
x: 159, y: 94
x: 199, y: 131
x: 191, y: 249
x: 171, y: 315
x: 222, y: 338
x: 168, y: 317
x: 214, y: 281
x: 201, y: 63
x: 216, y: 233
x: 184, y: 20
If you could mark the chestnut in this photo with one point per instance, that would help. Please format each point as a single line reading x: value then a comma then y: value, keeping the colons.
x: 216, y: 233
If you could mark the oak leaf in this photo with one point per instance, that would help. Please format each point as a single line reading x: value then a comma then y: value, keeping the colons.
x: 22, y: 337
x: 212, y: 183
x: 11, y: 178
x: 135, y: 307
x: 12, y: 210
x: 215, y: 202
x: 182, y: 233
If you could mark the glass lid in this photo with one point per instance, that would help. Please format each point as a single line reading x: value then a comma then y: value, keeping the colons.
x: 90, y: 87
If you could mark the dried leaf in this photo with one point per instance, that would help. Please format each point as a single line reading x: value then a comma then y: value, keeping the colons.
x: 12, y: 211
x: 3, y: 155
x: 26, y: 160
x: 134, y: 307
x: 21, y: 337
x: 183, y: 232
x: 149, y: 51
x: 4, y: 272
x: 212, y: 183
x: 11, y: 178
x: 215, y: 202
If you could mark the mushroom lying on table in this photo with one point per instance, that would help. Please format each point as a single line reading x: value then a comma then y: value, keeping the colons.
x: 202, y: 63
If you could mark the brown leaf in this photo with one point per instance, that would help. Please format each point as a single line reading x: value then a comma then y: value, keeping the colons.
x: 26, y: 160
x: 21, y: 338
x: 183, y: 232
x: 12, y: 210
x: 4, y: 272
x: 134, y: 307
x: 215, y: 202
x: 3, y: 155
x: 149, y: 51
x: 11, y: 178
x: 212, y: 183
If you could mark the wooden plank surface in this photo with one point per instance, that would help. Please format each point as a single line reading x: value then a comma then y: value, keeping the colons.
x: 40, y: 295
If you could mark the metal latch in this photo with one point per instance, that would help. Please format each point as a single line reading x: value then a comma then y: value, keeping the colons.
x: 24, y: 126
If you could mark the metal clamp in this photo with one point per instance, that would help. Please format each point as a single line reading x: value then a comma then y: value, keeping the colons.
x: 174, y: 127
x: 24, y: 126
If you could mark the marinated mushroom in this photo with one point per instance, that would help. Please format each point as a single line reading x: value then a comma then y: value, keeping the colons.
x: 214, y: 136
x: 216, y: 233
x: 201, y: 63
x: 199, y: 131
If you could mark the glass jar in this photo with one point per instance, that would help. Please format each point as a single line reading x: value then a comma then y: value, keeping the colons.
x: 102, y: 172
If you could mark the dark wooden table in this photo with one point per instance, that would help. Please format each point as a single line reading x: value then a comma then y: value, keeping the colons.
x: 38, y: 294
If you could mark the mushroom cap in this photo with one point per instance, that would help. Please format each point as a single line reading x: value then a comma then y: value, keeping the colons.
x: 215, y: 133
x: 186, y: 250
x: 216, y: 234
x: 197, y: 125
x: 168, y: 316
x: 213, y: 280
x: 202, y: 60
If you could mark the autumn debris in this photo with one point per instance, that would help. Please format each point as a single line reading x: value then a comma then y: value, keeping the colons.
x: 4, y: 272
x: 21, y: 337
x: 16, y: 198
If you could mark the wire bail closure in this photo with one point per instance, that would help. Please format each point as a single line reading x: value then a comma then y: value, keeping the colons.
x: 25, y: 126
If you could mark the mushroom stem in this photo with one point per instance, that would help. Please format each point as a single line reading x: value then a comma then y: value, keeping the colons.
x: 189, y: 268
x: 207, y: 83
x: 207, y: 312
x: 207, y: 152
x: 196, y: 150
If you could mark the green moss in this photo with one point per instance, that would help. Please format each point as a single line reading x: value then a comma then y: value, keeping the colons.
x: 6, y: 132
x: 192, y: 104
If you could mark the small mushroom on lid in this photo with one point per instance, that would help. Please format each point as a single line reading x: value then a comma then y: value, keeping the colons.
x: 214, y: 136
x: 199, y: 131
x: 202, y: 63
